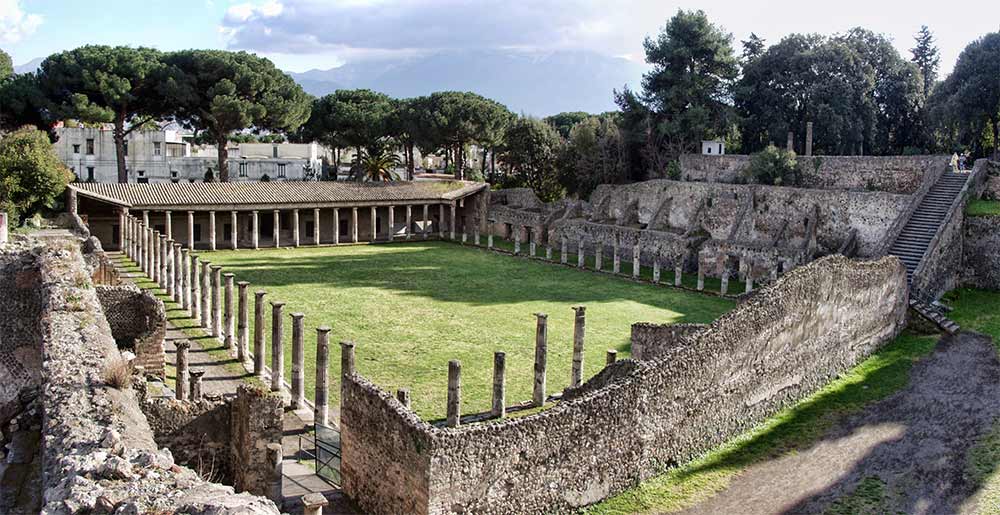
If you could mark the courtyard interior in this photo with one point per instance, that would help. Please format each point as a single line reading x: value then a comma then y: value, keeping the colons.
x: 412, y: 307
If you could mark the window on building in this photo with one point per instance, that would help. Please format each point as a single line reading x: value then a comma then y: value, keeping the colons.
x: 281, y: 170
x: 142, y: 180
x: 709, y: 149
x: 90, y: 146
x: 274, y: 151
x: 227, y: 232
x: 173, y: 174
x: 90, y: 173
x: 243, y: 169
x: 76, y: 148
x: 156, y: 148
x: 141, y: 173
x: 125, y: 147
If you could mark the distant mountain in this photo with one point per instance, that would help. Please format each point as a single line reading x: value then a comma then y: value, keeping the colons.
x: 29, y: 66
x: 536, y: 84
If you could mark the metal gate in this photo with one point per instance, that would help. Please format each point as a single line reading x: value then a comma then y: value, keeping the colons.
x: 328, y: 453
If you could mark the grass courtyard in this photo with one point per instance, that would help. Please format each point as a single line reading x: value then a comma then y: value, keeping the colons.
x: 412, y: 307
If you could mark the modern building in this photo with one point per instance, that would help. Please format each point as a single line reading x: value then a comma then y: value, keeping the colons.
x: 164, y: 156
x: 236, y: 215
x: 715, y: 147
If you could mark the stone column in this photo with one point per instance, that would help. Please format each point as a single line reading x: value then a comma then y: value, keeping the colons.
x: 217, y: 303
x: 298, y: 361
x: 194, y: 284
x: 322, y: 415
x: 164, y: 263
x: 517, y: 241
x: 656, y: 269
x: 316, y: 226
x: 809, y: 138
x: 354, y: 225
x: 610, y: 357
x: 541, y: 348
x: 295, y: 227
x: 346, y: 359
x: 211, y: 230
x: 178, y: 275
x: 678, y: 274
x: 154, y: 253
x: 724, y: 289
x: 168, y: 269
x: 598, y: 255
x: 579, y: 332
x: 581, y: 254
x: 563, y: 254
x: 454, y: 393
x: 190, y: 228
x: 374, y: 225
x: 71, y: 201
x: 181, y: 375
x: 548, y: 251
x: 489, y: 238
x: 275, y: 458
x: 441, y: 221
x: 701, y: 277
x: 427, y: 228
x: 228, y: 331
x: 196, y: 384
x: 452, y: 225
x: 636, y: 260
x: 409, y: 221
x: 475, y: 234
x: 336, y: 226
x: 206, y: 295
x: 255, y: 222
x: 790, y: 145
x: 242, y: 323
x: 277, y: 229
x: 169, y: 224
x: 403, y: 396
x: 258, y: 333
x: 616, y: 259
x: 499, y: 406
x: 277, y: 345
x: 312, y: 504
x: 749, y: 282
x: 392, y: 222
x: 234, y: 234
x: 122, y: 231
x: 532, y: 246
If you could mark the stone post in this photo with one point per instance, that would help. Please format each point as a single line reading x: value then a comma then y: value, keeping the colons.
x: 186, y: 280
x: 234, y: 233
x: 178, y: 275
x: 354, y: 225
x: 441, y: 221
x: 255, y: 222
x: 598, y: 255
x: 228, y: 331
x: 809, y: 138
x: 579, y: 333
x: 346, y: 359
x: 581, y: 255
x: 475, y: 235
x: 312, y: 504
x: 541, y: 348
x: 336, y: 226
x: 277, y: 229
x: 164, y: 264
x: 517, y: 241
x: 563, y: 251
x: 275, y: 457
x: 211, y: 230
x: 277, y: 345
x: 489, y: 238
x: 242, y: 323
x: 181, y: 376
x: 217, y: 303
x: 295, y: 227
x: 154, y: 255
x: 258, y: 333
x: 374, y: 225
x: 701, y: 277
x: 409, y: 221
x: 316, y: 226
x: 122, y: 231
x: 298, y: 361
x: 499, y: 406
x: 531, y: 241
x: 790, y: 145
x: 322, y: 394
x: 427, y: 228
x: 452, y: 225
x: 616, y: 263
x: 656, y: 269
x: 206, y: 295
x: 403, y: 396
x: 548, y: 252
x: 454, y: 393
x: 611, y: 357
x: 190, y: 228
x: 678, y: 274
x: 169, y: 226
x: 724, y: 289
x: 71, y: 201
x: 774, y: 273
x: 194, y: 278
x: 636, y: 260
x: 749, y: 282
x: 196, y: 384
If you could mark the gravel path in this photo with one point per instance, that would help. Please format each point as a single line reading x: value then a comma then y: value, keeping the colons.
x: 916, y: 442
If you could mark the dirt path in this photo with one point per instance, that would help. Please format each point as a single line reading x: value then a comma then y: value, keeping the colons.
x: 912, y: 446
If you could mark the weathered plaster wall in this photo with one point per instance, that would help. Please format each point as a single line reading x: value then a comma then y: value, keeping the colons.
x: 778, y: 346
x: 255, y: 421
x: 196, y: 433
x: 138, y: 322
x: 652, y: 341
x: 981, y: 252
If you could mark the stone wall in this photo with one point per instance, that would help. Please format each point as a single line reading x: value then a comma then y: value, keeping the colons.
x: 255, y: 421
x: 981, y: 252
x: 778, y: 346
x: 891, y: 174
x: 98, y: 450
x: 652, y: 341
x: 990, y: 189
x: 138, y: 323
x: 196, y: 433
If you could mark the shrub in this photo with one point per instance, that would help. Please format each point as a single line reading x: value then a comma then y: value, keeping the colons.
x: 117, y: 373
x: 31, y: 175
x: 773, y: 166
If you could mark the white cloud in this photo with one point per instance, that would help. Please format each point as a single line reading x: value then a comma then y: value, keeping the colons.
x: 247, y: 12
x: 15, y: 24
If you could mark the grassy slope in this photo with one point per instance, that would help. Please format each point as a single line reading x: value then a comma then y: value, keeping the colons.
x: 978, y: 207
x: 413, y: 307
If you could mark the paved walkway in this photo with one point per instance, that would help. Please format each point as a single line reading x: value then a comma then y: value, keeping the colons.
x: 223, y: 374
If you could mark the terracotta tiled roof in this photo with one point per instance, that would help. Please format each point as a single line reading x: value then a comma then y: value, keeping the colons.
x: 205, y: 195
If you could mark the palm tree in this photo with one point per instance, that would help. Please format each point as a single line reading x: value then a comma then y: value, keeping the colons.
x: 377, y: 164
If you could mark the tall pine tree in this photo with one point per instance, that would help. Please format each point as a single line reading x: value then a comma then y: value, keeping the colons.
x: 926, y: 57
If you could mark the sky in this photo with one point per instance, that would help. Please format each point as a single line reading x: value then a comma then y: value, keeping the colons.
x: 299, y: 35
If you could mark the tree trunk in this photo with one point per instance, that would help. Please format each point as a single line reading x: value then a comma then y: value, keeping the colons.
x: 493, y: 165
x: 482, y: 165
x: 410, y: 167
x: 996, y: 136
x: 459, y: 162
x: 119, y: 135
x: 223, y: 159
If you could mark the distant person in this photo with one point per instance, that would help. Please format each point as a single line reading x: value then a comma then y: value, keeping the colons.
x: 961, y: 161
x: 954, y: 161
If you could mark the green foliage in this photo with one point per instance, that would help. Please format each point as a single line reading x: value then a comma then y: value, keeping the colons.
x: 926, y: 56
x: 530, y: 153
x: 31, y: 175
x: 378, y: 164
x: 965, y: 108
x: 773, y: 166
x: 594, y: 154
x: 6, y: 66
x: 674, y: 170
x: 23, y: 103
x: 355, y: 118
x: 564, y: 122
x: 977, y: 207
x: 220, y: 92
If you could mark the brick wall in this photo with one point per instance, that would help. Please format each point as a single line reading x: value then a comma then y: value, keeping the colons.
x: 138, y: 322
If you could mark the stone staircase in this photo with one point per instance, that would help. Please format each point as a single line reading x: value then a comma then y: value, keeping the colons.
x: 911, y: 244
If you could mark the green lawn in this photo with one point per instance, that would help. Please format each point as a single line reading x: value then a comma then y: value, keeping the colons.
x: 977, y: 207
x: 412, y: 307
